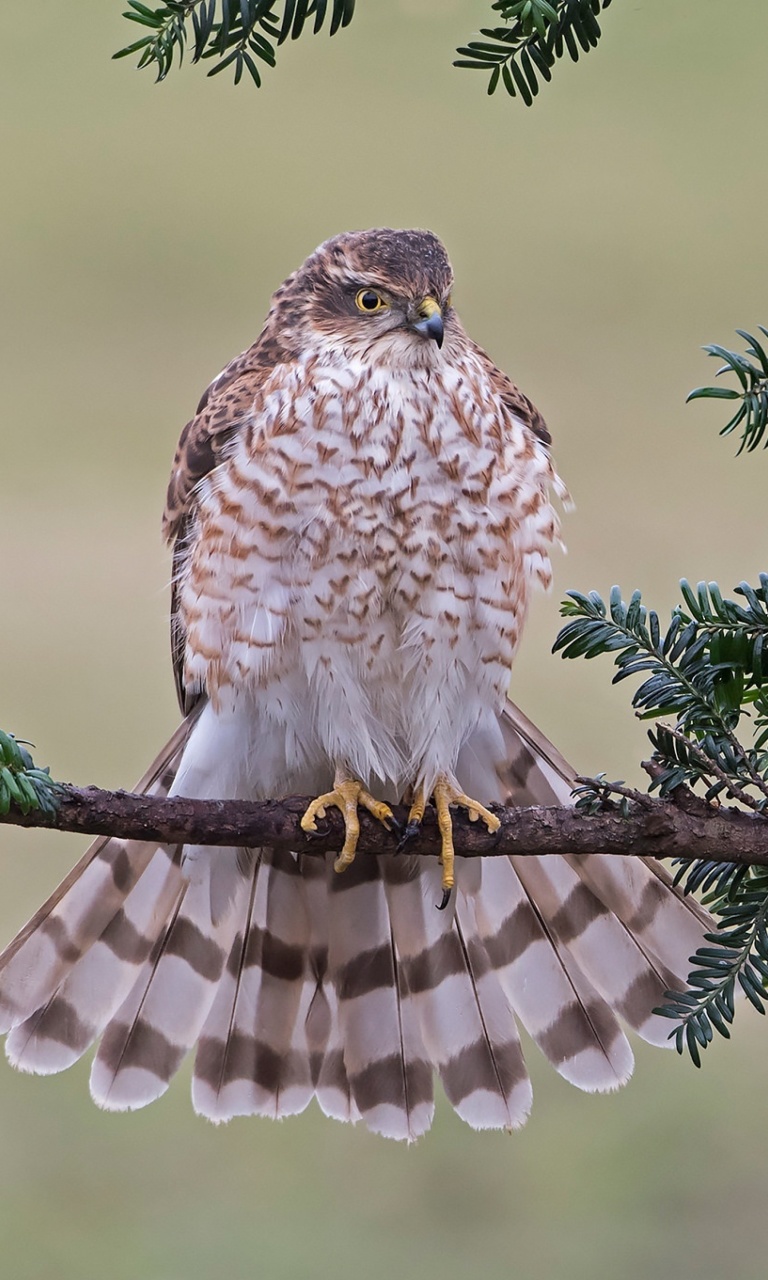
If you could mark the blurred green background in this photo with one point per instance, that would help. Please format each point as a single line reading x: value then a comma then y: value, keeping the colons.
x: 598, y: 240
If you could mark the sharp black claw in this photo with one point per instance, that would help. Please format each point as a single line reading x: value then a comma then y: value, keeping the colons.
x: 409, y: 833
x: 393, y: 826
x: 446, y: 899
x: 320, y: 832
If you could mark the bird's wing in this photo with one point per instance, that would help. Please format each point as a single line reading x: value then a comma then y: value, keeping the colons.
x: 511, y: 395
x: 224, y: 410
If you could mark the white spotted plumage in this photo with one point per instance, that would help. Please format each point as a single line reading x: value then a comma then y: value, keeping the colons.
x: 389, y: 576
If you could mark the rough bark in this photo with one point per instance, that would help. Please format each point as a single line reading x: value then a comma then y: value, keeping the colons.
x: 685, y: 827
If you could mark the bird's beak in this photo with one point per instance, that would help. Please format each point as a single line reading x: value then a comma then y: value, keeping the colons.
x: 430, y: 322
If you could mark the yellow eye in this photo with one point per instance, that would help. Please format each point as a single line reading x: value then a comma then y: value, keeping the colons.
x: 369, y: 300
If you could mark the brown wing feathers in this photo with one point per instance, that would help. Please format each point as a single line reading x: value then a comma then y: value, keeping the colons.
x: 513, y: 397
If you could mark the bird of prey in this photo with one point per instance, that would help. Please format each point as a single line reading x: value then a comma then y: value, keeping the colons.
x: 359, y: 510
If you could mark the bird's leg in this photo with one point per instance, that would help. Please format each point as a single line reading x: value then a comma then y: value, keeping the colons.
x: 446, y: 794
x: 348, y: 793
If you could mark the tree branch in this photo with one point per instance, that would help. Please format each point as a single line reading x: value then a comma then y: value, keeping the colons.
x: 684, y: 827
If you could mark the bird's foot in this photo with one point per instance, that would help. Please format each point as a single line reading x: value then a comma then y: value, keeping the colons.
x: 347, y: 795
x: 415, y: 815
x: 445, y: 794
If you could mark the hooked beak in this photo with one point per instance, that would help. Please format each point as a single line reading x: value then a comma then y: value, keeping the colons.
x: 430, y: 322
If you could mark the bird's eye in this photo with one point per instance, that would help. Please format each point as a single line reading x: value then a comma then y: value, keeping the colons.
x: 369, y: 300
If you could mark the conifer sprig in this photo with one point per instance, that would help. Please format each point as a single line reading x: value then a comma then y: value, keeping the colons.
x: 751, y: 370
x: 240, y: 34
x: 705, y: 684
x: 538, y: 32
x: 21, y: 782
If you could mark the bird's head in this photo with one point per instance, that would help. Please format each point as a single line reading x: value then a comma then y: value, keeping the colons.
x: 381, y: 294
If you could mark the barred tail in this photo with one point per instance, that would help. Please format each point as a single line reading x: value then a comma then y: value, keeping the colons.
x: 294, y: 982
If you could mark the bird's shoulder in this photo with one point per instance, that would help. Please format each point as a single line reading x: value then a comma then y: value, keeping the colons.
x: 512, y: 397
x: 223, y: 411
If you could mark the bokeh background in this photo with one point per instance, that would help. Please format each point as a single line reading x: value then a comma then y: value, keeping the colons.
x: 599, y: 239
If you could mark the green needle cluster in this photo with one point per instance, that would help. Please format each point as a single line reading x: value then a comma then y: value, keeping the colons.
x: 21, y: 783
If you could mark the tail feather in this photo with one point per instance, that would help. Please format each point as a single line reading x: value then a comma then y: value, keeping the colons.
x: 296, y: 982
x: 557, y: 1005
x: 666, y: 923
x: 466, y: 1025
x: 500, y: 1094
x: 320, y: 1034
x: 389, y: 1073
x: 625, y: 974
x: 39, y: 959
x: 225, y: 1082
x: 62, y: 931
x: 333, y: 1089
x: 247, y: 1060
x: 143, y: 1046
x: 61, y: 1031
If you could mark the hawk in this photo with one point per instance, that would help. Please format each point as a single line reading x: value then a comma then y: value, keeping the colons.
x: 359, y: 510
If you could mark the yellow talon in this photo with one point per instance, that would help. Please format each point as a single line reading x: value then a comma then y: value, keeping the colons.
x: 416, y: 811
x: 446, y: 794
x: 347, y: 795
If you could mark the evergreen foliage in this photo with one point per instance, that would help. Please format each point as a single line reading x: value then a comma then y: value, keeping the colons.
x: 705, y: 685
x: 232, y: 33
x: 245, y: 35
x: 752, y: 411
x: 537, y: 34
x: 21, y: 783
